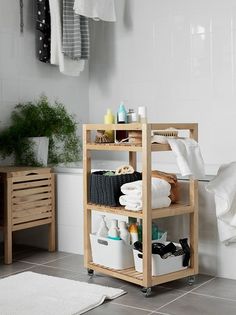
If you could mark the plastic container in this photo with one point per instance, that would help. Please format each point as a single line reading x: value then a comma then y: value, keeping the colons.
x: 109, y: 119
x: 133, y: 229
x: 110, y: 253
x: 142, y: 114
x: 160, y: 266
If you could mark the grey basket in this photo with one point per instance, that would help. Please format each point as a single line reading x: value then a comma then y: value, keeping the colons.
x: 105, y: 190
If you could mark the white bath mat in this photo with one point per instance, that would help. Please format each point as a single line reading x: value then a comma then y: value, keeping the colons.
x: 30, y: 293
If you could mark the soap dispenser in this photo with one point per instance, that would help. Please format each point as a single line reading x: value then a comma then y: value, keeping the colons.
x: 114, y: 232
x: 103, y: 229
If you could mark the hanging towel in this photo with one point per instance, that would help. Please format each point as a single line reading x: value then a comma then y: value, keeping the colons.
x: 75, y: 33
x: 224, y: 188
x: 96, y: 9
x: 66, y: 65
x: 43, y: 35
x: 136, y: 204
x: 160, y: 187
x: 189, y: 157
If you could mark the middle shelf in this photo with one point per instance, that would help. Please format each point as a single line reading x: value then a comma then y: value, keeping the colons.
x: 172, y: 210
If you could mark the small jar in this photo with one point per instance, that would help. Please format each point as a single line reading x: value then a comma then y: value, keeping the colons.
x: 131, y: 116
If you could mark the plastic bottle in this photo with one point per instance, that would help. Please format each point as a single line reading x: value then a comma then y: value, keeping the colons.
x: 109, y: 119
x: 133, y: 229
x: 103, y: 229
x: 121, y: 119
x: 114, y: 232
x: 142, y: 114
x: 124, y: 233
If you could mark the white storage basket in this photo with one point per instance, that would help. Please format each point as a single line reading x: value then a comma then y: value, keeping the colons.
x: 110, y: 253
x: 159, y: 266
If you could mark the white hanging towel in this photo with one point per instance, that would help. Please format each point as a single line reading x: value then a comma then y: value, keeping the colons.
x: 96, y: 9
x: 189, y: 157
x: 66, y: 65
x: 224, y: 188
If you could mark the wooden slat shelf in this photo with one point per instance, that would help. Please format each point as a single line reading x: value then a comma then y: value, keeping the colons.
x: 114, y: 147
x: 134, y: 126
x: 174, y: 209
x: 136, y: 277
x: 125, y: 274
x: 125, y: 147
x: 115, y: 210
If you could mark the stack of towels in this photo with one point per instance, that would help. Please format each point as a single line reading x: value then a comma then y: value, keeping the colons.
x: 132, y: 198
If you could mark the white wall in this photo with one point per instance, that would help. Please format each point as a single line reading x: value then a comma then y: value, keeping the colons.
x: 23, y: 77
x: 176, y: 57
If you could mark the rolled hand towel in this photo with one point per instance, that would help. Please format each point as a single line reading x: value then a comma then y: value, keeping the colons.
x: 172, y: 180
x: 160, y: 188
x: 130, y: 203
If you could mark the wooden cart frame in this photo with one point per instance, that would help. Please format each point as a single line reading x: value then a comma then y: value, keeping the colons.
x: 144, y: 279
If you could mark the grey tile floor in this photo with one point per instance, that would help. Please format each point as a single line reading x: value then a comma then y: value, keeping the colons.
x: 207, y: 296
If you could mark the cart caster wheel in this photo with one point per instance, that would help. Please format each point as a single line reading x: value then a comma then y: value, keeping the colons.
x: 146, y: 291
x: 90, y: 273
x: 191, y: 280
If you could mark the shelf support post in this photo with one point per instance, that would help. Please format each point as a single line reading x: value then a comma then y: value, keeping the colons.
x: 147, y: 206
x: 86, y: 197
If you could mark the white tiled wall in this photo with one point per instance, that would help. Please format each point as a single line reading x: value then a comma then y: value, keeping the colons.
x: 23, y: 77
x: 176, y: 57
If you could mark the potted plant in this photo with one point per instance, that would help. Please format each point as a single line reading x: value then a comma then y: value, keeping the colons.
x: 40, y: 119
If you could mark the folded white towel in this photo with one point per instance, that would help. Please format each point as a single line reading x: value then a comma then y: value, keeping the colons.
x: 224, y: 188
x: 160, y: 188
x: 189, y: 157
x: 66, y: 65
x: 96, y: 9
x: 130, y: 203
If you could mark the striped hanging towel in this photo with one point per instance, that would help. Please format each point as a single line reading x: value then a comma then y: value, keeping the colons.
x: 75, y: 33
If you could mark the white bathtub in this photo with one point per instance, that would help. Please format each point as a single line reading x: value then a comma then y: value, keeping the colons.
x: 214, y: 257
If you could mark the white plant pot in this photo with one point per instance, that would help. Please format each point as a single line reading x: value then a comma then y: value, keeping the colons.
x: 40, y: 149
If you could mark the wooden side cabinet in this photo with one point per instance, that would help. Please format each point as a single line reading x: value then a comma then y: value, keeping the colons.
x: 27, y: 197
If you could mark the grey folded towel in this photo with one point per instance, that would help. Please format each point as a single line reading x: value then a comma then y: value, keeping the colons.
x: 75, y: 33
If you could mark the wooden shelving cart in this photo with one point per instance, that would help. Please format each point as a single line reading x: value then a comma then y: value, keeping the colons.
x: 144, y: 279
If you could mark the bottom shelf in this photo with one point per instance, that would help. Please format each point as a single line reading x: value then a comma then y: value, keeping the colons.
x: 131, y: 275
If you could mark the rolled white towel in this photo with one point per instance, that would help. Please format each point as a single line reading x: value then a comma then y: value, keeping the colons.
x: 160, y: 188
x: 133, y: 204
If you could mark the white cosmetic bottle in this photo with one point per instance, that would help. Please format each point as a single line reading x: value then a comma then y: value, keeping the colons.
x: 124, y: 233
x: 103, y: 229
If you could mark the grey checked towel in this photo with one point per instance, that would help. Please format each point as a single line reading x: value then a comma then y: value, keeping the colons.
x: 75, y: 33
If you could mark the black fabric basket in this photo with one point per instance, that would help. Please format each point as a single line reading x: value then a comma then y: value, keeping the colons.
x: 105, y: 190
